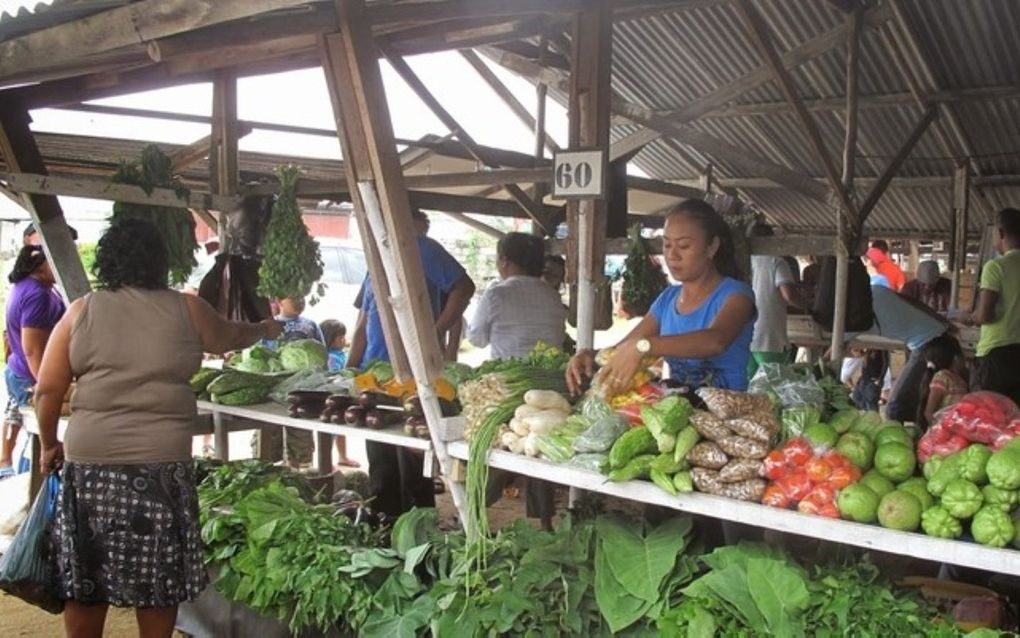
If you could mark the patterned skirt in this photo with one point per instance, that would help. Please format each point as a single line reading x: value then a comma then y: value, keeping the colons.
x: 128, y: 535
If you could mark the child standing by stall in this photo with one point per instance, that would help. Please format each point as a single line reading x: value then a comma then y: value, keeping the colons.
x: 335, y: 334
x: 944, y: 381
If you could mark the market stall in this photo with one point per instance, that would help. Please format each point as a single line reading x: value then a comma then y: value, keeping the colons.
x: 709, y: 461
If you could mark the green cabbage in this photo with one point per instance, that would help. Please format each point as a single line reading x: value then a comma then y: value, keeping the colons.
x: 303, y: 354
x: 842, y: 421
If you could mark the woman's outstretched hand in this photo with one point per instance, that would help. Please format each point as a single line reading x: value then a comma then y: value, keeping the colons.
x: 618, y: 373
x: 580, y: 369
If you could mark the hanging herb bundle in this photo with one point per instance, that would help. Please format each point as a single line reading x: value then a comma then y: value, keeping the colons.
x: 291, y: 263
x: 177, y: 226
x: 643, y: 279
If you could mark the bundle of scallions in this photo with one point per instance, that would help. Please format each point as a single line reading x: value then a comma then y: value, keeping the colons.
x: 489, y: 402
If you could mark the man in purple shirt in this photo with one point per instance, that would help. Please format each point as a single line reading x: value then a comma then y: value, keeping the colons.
x: 33, y: 309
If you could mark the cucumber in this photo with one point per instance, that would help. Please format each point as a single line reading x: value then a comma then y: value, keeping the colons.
x: 244, y: 396
x: 201, y: 379
x: 234, y: 380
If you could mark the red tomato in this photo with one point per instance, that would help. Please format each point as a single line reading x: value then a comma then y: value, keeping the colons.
x: 829, y: 510
x: 798, y: 452
x: 822, y: 494
x: 775, y: 465
x: 796, y: 485
x: 835, y: 459
x: 965, y: 408
x: 818, y: 470
x: 843, y: 476
x: 775, y: 497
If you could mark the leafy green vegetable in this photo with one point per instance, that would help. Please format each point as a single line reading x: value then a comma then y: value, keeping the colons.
x: 177, y: 225
x: 291, y: 264
x: 302, y: 354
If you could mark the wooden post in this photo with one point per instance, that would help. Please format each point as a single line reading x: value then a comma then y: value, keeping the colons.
x: 350, y: 59
x: 225, y: 132
x: 961, y: 215
x: 590, y: 101
x: 21, y: 154
x: 845, y: 234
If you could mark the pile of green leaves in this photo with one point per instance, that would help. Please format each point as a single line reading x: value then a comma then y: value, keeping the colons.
x: 226, y: 483
x: 291, y: 263
x: 643, y: 279
x: 752, y: 589
x: 640, y: 569
x: 288, y: 559
x: 177, y: 226
x: 541, y: 356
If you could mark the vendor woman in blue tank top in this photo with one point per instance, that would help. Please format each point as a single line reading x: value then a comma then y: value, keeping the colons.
x: 703, y: 326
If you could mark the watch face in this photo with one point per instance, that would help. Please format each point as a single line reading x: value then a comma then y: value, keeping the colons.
x: 643, y: 346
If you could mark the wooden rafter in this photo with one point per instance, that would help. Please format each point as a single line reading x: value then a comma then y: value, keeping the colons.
x: 19, y: 150
x: 519, y: 110
x: 123, y: 26
x: 223, y: 165
x: 873, y: 101
x: 103, y: 189
x: 760, y: 34
x: 201, y: 149
x: 721, y: 96
x: 894, y: 164
x: 426, y: 96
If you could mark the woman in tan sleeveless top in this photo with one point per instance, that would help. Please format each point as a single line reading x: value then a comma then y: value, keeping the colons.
x: 126, y: 530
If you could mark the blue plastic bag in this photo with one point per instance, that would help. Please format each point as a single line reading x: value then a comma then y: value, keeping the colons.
x: 27, y: 569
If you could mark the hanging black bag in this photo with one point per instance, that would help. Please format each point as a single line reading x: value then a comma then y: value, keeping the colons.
x: 860, y: 313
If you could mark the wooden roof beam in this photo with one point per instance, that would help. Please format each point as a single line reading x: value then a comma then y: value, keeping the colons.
x: 519, y: 110
x: 123, y: 26
x: 759, y: 32
x: 200, y: 149
x: 426, y: 96
x: 894, y: 165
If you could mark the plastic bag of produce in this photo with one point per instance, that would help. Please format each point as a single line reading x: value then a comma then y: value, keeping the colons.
x: 981, y: 417
x: 25, y: 570
x: 797, y: 419
x: 728, y: 404
x: 595, y: 462
x: 601, y: 435
x: 939, y: 441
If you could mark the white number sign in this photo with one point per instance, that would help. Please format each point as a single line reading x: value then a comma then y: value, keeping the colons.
x: 579, y: 174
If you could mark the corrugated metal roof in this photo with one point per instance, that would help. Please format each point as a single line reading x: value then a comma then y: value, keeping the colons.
x: 28, y: 19
x: 667, y: 61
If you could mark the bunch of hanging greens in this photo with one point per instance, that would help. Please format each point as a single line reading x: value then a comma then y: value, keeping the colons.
x: 291, y: 263
x: 177, y: 226
x: 643, y: 278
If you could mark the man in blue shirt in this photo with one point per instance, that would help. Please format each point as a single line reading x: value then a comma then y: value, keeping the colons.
x: 395, y: 474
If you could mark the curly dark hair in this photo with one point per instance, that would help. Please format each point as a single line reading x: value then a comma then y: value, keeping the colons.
x: 28, y: 261
x: 132, y: 253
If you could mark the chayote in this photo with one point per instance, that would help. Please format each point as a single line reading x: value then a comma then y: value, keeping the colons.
x: 932, y: 466
x: 1005, y: 500
x: 1004, y: 469
x: 948, y: 471
x: 993, y: 527
x: 975, y: 459
x: 962, y: 498
x: 938, y: 522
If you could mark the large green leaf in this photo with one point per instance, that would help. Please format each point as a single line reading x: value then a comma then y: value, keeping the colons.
x: 641, y: 563
x: 729, y: 586
x: 780, y: 593
x: 619, y: 608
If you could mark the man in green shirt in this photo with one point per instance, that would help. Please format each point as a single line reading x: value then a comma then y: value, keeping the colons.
x: 998, y: 313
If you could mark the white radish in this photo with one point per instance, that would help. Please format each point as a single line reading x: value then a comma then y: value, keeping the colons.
x: 545, y: 421
x: 524, y: 410
x: 519, y: 427
x: 546, y: 400
x: 531, y: 444
x: 509, y: 440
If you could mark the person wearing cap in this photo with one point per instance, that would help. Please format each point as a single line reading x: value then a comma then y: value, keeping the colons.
x: 878, y: 256
x: 929, y: 287
x: 31, y: 236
